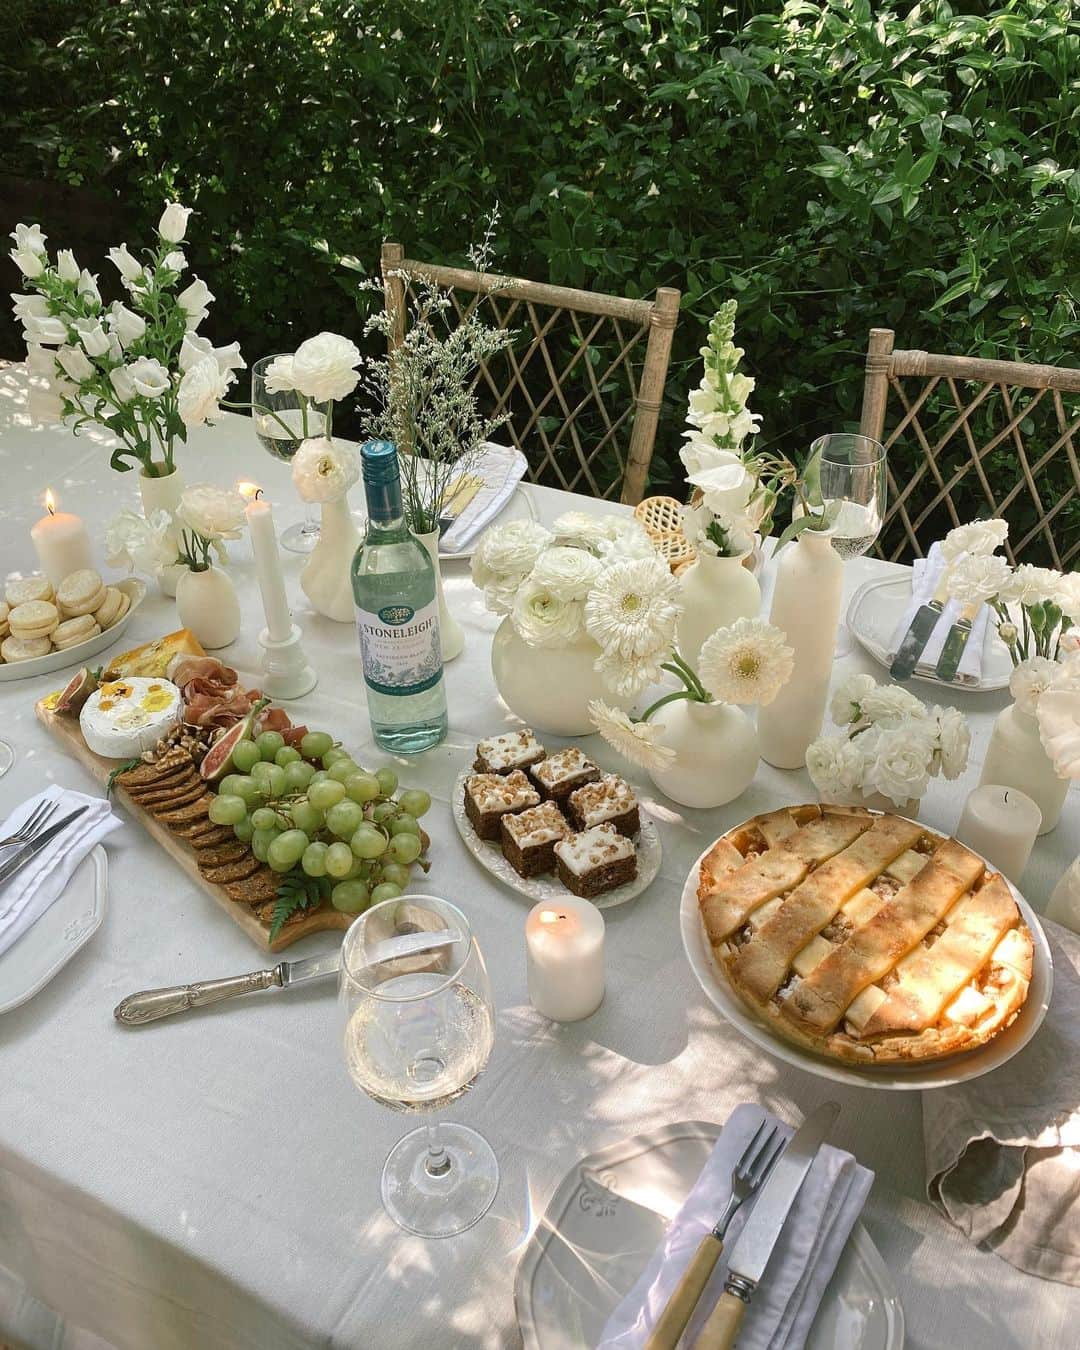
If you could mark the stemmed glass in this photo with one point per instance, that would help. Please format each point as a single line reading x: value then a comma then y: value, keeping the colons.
x: 283, y: 421
x: 419, y: 1024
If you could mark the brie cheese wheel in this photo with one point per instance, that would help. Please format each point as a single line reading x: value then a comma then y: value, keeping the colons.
x: 127, y: 716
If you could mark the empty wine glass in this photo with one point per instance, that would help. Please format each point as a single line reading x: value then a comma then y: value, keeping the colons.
x: 419, y: 1024
x: 283, y: 421
x: 7, y: 757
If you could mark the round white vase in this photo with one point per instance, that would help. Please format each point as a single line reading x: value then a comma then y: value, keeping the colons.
x: 877, y: 801
x: 163, y: 494
x: 715, y: 592
x: 549, y: 688
x: 207, y: 604
x: 327, y: 576
x: 806, y: 607
x: 450, y: 631
x: 1015, y: 758
x: 716, y: 748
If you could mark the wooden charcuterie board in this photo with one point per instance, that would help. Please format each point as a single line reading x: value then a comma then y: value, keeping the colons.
x: 66, y: 731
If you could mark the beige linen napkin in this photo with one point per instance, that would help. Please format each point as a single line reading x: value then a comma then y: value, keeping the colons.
x: 925, y: 575
x: 501, y: 467
x: 1003, y: 1151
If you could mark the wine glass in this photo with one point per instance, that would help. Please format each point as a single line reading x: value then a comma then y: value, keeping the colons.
x: 419, y: 1024
x: 7, y: 757
x: 282, y: 422
x: 854, y: 487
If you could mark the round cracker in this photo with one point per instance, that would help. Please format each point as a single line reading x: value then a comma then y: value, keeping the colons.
x: 91, y: 632
x: 75, y: 608
x: 79, y: 587
x: 107, y: 612
x: 74, y: 630
x: 125, y: 605
x: 33, y: 618
x: 21, y: 590
x: 24, y: 649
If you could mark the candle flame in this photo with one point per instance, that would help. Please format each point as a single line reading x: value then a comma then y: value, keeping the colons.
x: 50, y: 502
x: 249, y: 491
x: 551, y: 916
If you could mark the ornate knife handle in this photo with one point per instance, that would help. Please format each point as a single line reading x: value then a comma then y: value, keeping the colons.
x: 150, y: 1004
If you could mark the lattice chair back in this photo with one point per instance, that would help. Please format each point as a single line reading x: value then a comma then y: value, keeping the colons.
x: 969, y: 438
x: 582, y: 382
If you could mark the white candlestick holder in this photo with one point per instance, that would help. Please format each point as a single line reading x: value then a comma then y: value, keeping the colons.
x: 286, y: 670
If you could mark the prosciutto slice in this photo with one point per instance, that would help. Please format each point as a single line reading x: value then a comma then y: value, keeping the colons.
x: 214, y: 697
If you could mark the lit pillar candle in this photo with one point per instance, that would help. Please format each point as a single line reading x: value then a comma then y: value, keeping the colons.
x: 1001, y: 823
x: 564, y: 944
x: 61, y: 542
x: 264, y: 545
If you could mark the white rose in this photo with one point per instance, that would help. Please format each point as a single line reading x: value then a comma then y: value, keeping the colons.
x: 194, y: 348
x: 979, y: 538
x: 975, y: 578
x: 1030, y: 585
x: 836, y: 767
x: 173, y: 223
x: 122, y: 383
x: 566, y: 573
x: 29, y: 239
x: 279, y: 376
x: 201, y: 388
x: 323, y: 367
x: 845, y: 706
x: 29, y: 306
x: 66, y: 265
x: 954, y: 741
x: 542, y: 619
x: 88, y: 286
x: 149, y: 377
x: 901, y: 764
x: 1067, y: 596
x: 92, y: 336
x: 888, y: 706
x: 512, y: 549
x: 1029, y: 680
x: 195, y: 301
x: 129, y: 267
x: 75, y: 363
x: 125, y: 323
x: 48, y: 330
x: 324, y: 470
x: 212, y: 511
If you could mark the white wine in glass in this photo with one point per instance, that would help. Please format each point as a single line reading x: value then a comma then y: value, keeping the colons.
x: 283, y: 421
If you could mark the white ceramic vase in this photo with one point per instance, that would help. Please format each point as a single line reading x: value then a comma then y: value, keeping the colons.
x: 207, y: 604
x: 715, y: 592
x: 1015, y: 758
x: 327, y: 576
x: 549, y: 688
x: 163, y: 494
x: 716, y: 747
x: 450, y: 632
x: 877, y: 801
x: 806, y: 606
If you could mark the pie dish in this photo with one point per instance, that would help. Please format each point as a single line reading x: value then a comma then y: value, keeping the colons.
x: 864, y: 937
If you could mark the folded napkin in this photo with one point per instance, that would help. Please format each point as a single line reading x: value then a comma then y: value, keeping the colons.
x: 1003, y: 1151
x: 925, y: 575
x: 30, y: 892
x: 784, y: 1306
x: 502, y: 468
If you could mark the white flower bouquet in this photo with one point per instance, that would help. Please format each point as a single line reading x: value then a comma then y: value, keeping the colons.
x: 137, y: 368
x: 892, y: 744
x: 208, y: 515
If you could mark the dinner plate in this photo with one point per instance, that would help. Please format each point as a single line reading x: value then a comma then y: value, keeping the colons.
x: 79, y: 655
x: 66, y: 926
x: 490, y: 855
x: 947, y: 1072
x: 518, y: 507
x: 610, y: 1212
x: 876, y: 609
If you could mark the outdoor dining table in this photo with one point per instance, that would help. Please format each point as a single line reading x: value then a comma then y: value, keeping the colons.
x: 211, y: 1181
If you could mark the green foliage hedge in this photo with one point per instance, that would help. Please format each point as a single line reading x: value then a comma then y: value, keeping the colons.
x: 834, y: 165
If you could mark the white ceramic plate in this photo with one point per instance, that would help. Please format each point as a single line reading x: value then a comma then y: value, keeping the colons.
x: 68, y: 924
x: 81, y: 654
x: 609, y: 1214
x: 872, y: 617
x: 490, y: 855
x: 897, y: 1078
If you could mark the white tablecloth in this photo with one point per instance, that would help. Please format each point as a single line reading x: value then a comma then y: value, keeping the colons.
x: 212, y: 1181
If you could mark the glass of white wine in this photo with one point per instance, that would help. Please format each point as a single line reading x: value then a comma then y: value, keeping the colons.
x: 419, y: 1024
x: 283, y: 421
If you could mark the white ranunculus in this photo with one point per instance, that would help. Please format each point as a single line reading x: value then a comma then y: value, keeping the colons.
x: 195, y: 301
x: 122, y: 383
x: 173, y: 223
x: 93, y: 337
x: 1067, y: 596
x: 125, y: 323
x: 888, y: 706
x: 29, y: 306
x: 194, y: 348
x: 901, y: 764
x: 66, y: 265
x: 138, y: 543
x: 836, y: 767
x: 324, y: 470
x: 75, y: 363
x: 1031, y: 585
x: 149, y: 377
x: 29, y: 238
x: 630, y: 540
x: 201, y: 389
x: 213, y: 512
x: 1029, y: 680
x: 279, y: 376
x: 542, y: 619
x: 975, y: 578
x: 49, y: 330
x: 88, y: 286
x: 578, y: 527
x: 323, y: 367
x: 128, y: 266
x: 979, y: 538
x: 845, y: 705
x: 174, y: 261
x: 28, y: 263
x: 566, y: 573
x: 954, y: 741
x: 512, y: 549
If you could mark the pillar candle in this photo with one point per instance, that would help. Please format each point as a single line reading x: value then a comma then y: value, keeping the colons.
x: 564, y: 943
x: 1001, y: 823
x: 264, y: 545
x: 61, y: 542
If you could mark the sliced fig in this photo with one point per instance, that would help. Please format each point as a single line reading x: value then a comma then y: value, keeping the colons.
x: 218, y: 759
x: 75, y: 693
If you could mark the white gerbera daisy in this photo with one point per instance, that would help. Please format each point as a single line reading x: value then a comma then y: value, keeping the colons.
x: 633, y: 608
x: 747, y: 662
x: 636, y: 741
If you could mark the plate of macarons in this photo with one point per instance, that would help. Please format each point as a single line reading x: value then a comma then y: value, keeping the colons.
x: 45, y: 628
x: 552, y: 824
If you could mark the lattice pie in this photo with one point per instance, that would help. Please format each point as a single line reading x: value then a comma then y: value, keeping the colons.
x: 864, y: 937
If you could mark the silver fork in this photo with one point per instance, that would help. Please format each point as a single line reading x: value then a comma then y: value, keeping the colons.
x: 747, y: 1175
x: 30, y: 826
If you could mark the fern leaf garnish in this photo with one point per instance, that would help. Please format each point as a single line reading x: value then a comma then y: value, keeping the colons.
x: 296, y: 890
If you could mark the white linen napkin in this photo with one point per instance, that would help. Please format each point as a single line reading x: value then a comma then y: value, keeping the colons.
x: 786, y: 1302
x: 30, y: 892
x: 501, y: 467
x: 1003, y: 1151
x: 925, y: 575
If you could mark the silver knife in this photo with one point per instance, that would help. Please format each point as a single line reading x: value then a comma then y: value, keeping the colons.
x: 918, y: 633
x: 30, y: 850
x: 955, y: 641
x: 750, y: 1255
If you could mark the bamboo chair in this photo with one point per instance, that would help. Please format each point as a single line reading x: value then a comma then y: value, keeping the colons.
x: 582, y: 382
x: 966, y: 426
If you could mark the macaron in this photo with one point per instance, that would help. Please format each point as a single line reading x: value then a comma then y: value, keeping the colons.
x: 73, y: 631
x: 109, y: 611
x: 34, y: 619
x: 23, y: 649
x: 21, y: 590
x: 82, y: 592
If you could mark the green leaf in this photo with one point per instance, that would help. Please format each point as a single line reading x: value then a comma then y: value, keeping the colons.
x: 955, y: 291
x: 296, y: 890
x: 922, y: 169
x: 110, y: 782
x: 888, y: 192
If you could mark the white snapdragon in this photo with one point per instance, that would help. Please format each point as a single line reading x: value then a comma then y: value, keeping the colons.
x: 125, y: 323
x: 47, y: 330
x: 75, y: 363
x: 195, y: 302
x: 129, y: 267
x: 66, y: 266
x: 93, y: 337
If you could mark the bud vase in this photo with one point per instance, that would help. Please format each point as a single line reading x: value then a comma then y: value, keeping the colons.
x: 715, y: 592
x: 453, y: 639
x: 162, y: 493
x: 1015, y: 758
x: 327, y: 578
x: 716, y: 753
x: 207, y: 604
x: 549, y: 688
x: 806, y: 607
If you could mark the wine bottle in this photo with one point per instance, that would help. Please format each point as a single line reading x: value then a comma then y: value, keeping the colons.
x: 397, y: 615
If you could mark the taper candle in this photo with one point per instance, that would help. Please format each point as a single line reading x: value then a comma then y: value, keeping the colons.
x: 264, y: 545
x: 61, y: 542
